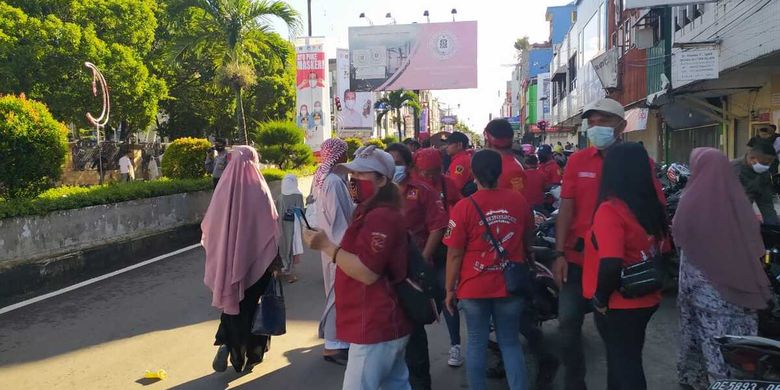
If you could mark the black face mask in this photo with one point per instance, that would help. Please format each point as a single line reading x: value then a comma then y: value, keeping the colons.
x: 219, y: 148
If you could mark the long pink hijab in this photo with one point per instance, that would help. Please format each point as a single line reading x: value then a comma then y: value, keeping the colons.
x: 240, y: 231
x: 718, y: 231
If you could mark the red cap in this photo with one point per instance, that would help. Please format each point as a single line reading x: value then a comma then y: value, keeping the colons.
x: 428, y: 158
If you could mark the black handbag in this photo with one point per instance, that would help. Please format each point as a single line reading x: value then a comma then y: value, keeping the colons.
x: 517, y: 276
x: 419, y: 293
x: 643, y: 278
x: 289, y: 215
x: 270, y: 317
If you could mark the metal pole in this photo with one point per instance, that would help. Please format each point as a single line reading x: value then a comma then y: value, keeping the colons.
x: 308, y: 3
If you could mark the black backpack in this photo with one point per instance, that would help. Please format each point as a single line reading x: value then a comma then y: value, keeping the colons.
x: 419, y: 293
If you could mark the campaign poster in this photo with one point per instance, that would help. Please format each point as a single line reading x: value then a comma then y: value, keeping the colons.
x: 413, y: 56
x: 313, y: 104
x: 356, y: 118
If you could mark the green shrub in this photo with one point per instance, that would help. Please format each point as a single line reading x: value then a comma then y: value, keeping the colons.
x: 378, y: 142
x: 390, y: 139
x: 33, y: 147
x: 282, y: 143
x: 353, y: 144
x: 184, y: 158
x: 275, y: 174
x: 69, y: 197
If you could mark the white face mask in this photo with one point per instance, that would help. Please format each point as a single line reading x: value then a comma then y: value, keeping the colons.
x: 400, y: 174
x: 760, y: 168
x: 313, y: 83
x: 350, y: 104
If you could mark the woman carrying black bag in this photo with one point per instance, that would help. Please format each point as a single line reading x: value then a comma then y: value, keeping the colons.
x: 241, y: 240
x: 475, y: 269
x: 628, y: 234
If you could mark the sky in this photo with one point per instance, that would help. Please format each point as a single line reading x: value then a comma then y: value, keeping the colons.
x: 500, y: 22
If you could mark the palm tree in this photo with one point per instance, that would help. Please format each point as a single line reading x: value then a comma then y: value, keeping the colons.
x: 395, y: 100
x: 227, y: 27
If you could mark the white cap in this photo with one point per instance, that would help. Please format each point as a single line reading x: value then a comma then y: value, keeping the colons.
x: 370, y: 159
x: 605, y: 105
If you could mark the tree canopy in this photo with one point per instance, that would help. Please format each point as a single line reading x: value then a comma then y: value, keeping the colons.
x: 137, y: 45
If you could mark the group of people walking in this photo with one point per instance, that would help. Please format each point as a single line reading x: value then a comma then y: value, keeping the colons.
x: 472, y: 221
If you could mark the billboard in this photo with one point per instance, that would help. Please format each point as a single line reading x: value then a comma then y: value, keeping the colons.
x: 413, y: 56
x: 356, y: 119
x: 449, y: 120
x: 313, y: 104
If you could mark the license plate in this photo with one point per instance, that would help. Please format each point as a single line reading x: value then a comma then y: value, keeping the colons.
x: 735, y: 384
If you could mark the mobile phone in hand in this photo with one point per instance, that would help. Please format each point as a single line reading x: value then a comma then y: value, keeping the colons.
x: 299, y: 212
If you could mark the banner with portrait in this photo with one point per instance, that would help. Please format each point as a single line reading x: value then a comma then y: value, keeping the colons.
x: 313, y: 99
x: 356, y: 118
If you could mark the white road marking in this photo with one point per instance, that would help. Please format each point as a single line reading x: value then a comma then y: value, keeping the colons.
x: 94, y: 280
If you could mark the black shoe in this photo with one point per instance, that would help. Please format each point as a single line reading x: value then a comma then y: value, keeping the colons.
x: 548, y: 367
x: 220, y: 360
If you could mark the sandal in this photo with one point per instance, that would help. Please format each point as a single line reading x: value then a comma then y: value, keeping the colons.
x: 340, y: 358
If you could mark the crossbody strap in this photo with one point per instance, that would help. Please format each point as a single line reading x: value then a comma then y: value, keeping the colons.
x: 499, y: 249
x: 444, y: 193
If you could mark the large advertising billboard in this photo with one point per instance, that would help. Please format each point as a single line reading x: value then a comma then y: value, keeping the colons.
x: 413, y: 56
x: 313, y: 104
x: 356, y: 118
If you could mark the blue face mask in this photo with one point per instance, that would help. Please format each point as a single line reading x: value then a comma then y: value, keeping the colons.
x: 601, y: 137
x: 400, y: 174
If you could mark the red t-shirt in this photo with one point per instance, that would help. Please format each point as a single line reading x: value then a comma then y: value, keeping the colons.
x: 581, y: 181
x: 535, y: 183
x: 423, y: 210
x: 618, y: 235
x: 512, y: 173
x: 509, y: 217
x: 460, y: 169
x: 453, y: 192
x: 372, y: 314
x: 553, y: 172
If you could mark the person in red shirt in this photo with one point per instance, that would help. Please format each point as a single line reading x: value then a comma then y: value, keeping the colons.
x: 427, y: 167
x: 498, y: 136
x: 549, y: 166
x: 629, y: 227
x: 460, y: 164
x: 474, y: 270
x: 370, y: 317
x: 425, y: 218
x: 579, y: 195
x: 536, y: 182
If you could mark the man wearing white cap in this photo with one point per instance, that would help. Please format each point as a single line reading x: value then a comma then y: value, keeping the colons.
x: 581, y: 180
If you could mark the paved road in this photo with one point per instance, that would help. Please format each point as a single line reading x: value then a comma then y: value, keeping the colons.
x: 105, y: 335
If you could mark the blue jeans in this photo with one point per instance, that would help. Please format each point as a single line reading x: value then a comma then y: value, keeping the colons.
x: 452, y: 320
x: 505, y: 313
x: 377, y: 366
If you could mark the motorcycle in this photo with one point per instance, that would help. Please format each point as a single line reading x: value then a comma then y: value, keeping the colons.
x: 676, y: 178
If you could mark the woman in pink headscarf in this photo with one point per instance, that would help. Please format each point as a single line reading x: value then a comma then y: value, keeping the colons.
x: 722, y: 282
x: 240, y: 236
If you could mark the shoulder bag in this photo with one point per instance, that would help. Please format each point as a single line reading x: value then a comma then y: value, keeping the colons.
x: 643, y: 278
x: 517, y: 276
x: 419, y: 294
x: 270, y: 316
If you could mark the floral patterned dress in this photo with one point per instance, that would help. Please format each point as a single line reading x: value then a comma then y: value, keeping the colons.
x: 705, y: 315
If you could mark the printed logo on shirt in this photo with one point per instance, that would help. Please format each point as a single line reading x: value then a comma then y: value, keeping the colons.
x: 412, y: 194
x: 378, y: 241
x: 451, y: 225
x: 459, y: 169
x: 589, y: 175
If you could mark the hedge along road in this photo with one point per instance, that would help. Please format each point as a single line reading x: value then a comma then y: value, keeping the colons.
x: 107, y: 334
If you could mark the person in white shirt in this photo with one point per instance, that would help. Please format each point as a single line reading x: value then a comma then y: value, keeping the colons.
x: 126, y: 170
